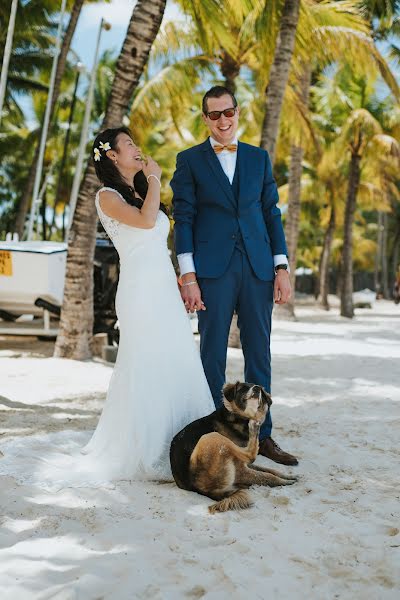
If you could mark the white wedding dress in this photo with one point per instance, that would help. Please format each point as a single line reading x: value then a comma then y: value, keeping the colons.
x: 158, y: 384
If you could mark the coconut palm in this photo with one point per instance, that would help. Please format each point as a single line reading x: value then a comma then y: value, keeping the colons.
x: 362, y: 136
x: 353, y: 121
x: 338, y: 34
x: 61, y: 65
x: 31, y: 45
x: 76, y: 324
x: 279, y: 75
x: 331, y: 190
x: 235, y: 31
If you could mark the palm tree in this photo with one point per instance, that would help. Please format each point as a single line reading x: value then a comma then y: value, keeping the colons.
x: 76, y: 324
x: 323, y: 290
x: 30, y: 56
x: 61, y: 65
x: 230, y: 42
x: 330, y: 189
x: 362, y: 135
x: 338, y: 33
x: 294, y: 193
x: 279, y: 75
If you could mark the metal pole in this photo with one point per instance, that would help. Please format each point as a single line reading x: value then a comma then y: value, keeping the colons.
x: 79, y: 69
x: 7, y: 54
x: 45, y: 127
x: 85, y: 126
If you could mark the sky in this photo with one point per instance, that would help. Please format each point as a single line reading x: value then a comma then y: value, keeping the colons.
x: 117, y: 13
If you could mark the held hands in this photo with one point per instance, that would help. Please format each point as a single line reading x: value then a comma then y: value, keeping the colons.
x: 191, y: 294
x: 282, y: 289
x: 151, y: 168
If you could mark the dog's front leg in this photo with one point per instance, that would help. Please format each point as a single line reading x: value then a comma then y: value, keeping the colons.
x: 252, y: 445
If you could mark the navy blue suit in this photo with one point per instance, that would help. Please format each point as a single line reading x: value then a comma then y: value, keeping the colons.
x: 233, y: 231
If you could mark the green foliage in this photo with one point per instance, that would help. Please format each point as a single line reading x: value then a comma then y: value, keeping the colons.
x: 354, y: 95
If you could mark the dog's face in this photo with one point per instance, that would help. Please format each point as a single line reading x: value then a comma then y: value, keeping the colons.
x: 247, y: 400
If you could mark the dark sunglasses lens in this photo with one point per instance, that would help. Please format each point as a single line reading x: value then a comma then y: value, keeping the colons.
x: 214, y: 115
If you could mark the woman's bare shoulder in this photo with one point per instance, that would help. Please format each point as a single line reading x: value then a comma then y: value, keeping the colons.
x: 108, y: 195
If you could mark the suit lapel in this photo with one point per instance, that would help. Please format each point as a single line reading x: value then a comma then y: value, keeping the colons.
x: 241, y: 165
x: 218, y: 171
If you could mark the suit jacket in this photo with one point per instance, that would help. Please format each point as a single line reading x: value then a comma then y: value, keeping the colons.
x: 208, y: 217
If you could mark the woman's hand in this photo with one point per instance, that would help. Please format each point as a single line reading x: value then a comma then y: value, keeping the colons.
x: 151, y: 168
x: 191, y: 294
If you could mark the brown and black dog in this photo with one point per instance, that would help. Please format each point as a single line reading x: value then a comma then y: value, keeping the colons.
x: 213, y: 455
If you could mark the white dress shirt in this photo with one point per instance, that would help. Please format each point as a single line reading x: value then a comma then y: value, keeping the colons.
x: 227, y: 160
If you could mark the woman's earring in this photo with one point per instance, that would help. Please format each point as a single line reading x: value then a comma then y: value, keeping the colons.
x: 115, y: 162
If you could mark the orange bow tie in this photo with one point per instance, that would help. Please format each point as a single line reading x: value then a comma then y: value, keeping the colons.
x: 229, y: 147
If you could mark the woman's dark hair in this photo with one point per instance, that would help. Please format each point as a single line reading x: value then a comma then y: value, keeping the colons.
x: 216, y: 92
x: 109, y: 174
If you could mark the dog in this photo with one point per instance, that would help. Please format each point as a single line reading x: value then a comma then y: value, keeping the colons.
x: 213, y: 455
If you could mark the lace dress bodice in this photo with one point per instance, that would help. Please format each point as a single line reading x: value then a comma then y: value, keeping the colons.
x: 123, y: 235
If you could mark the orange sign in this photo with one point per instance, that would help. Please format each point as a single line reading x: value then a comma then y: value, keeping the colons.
x: 5, y: 263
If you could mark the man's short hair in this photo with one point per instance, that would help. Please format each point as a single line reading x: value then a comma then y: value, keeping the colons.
x: 217, y: 91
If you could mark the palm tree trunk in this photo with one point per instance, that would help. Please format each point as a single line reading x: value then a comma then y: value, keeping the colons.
x: 23, y: 205
x: 292, y: 224
x: 62, y: 61
x: 396, y: 250
x: 43, y: 211
x: 76, y: 324
x: 230, y: 70
x: 279, y: 75
x: 346, y: 296
x: 378, y: 255
x: 385, y: 258
x: 325, y: 260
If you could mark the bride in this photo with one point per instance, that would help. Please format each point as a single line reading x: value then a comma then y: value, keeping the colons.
x: 158, y: 384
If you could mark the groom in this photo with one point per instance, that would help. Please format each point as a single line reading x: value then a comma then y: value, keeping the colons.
x: 231, y: 249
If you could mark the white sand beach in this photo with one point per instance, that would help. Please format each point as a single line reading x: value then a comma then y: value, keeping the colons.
x: 335, y: 534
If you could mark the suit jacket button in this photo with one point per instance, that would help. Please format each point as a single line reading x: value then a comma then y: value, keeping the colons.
x: 234, y: 237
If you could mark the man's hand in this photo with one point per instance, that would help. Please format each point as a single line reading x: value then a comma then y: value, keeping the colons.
x: 191, y: 294
x: 282, y: 287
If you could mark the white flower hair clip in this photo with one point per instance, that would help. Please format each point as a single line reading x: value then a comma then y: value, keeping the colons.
x: 104, y: 147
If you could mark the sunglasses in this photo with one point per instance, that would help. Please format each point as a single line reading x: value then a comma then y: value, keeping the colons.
x: 214, y: 115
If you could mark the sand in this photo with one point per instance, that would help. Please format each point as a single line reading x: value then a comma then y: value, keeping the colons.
x: 335, y: 534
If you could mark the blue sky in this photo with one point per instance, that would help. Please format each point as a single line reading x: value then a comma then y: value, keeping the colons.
x: 117, y: 13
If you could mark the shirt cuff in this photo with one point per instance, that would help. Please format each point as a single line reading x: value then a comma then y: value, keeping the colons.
x: 281, y: 259
x: 186, y: 263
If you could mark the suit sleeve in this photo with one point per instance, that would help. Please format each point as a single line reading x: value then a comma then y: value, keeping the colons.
x: 184, y: 205
x: 271, y: 212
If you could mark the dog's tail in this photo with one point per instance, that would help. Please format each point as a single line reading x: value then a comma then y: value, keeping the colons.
x: 238, y: 500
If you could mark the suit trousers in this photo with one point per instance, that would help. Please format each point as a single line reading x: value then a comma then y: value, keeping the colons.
x: 238, y: 289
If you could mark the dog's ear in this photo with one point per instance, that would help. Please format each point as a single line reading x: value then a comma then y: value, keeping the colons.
x: 266, y: 397
x: 230, y: 390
